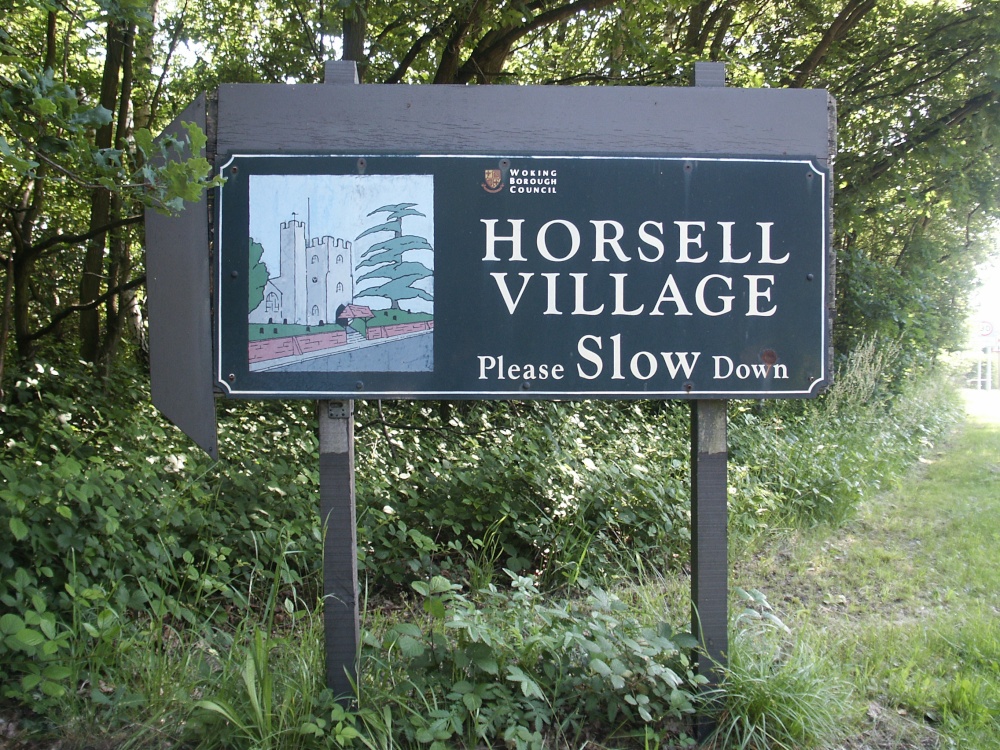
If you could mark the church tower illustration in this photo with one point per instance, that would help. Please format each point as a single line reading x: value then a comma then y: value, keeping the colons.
x: 315, y: 279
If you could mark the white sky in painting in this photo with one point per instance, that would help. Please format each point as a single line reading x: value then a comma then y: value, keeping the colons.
x: 338, y: 206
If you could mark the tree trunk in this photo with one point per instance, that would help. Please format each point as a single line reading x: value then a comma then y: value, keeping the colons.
x: 355, y: 21
x: 100, y: 205
x: 8, y: 290
x: 120, y: 246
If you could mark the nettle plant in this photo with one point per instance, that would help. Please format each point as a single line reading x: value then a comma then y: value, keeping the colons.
x: 508, y: 664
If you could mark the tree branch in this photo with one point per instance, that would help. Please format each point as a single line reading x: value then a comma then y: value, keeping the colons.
x: 74, y: 239
x: 453, y: 47
x: 491, y: 51
x: 65, y: 313
x: 954, y: 118
x: 846, y: 20
x: 413, y: 52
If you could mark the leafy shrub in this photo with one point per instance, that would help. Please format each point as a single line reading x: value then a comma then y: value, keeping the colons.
x: 107, y: 507
x: 111, y: 512
x: 557, y: 489
x: 509, y: 665
x: 807, y: 462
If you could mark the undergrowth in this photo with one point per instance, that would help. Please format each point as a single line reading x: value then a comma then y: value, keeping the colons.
x: 131, y: 553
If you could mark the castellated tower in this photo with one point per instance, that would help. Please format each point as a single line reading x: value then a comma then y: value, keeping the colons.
x: 293, y: 271
x: 315, y: 279
x: 330, y: 278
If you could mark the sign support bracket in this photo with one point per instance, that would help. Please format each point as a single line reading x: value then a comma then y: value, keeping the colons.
x: 709, y: 516
x: 338, y: 516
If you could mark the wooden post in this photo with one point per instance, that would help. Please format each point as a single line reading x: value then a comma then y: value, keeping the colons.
x: 709, y: 515
x: 709, y: 538
x: 340, y: 557
x: 341, y: 621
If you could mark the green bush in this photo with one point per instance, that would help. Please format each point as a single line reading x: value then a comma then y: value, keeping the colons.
x: 557, y: 489
x: 108, y: 507
x: 814, y: 461
x: 112, y: 514
x: 509, y: 665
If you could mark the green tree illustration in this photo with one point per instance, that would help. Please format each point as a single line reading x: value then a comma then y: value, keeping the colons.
x: 258, y: 275
x: 386, y: 258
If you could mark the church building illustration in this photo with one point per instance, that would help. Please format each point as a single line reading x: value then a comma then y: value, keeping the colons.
x: 328, y: 303
x: 315, y: 280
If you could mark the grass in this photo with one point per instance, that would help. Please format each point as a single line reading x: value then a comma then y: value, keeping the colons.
x: 903, y: 600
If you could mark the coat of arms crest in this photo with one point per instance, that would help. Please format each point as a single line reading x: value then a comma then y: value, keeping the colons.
x: 494, y: 181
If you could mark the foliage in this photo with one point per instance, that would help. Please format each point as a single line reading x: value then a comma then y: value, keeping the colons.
x: 778, y: 693
x: 127, y: 558
x: 508, y: 665
x: 79, y: 164
x: 597, y: 481
x: 114, y: 518
x: 901, y: 600
x: 816, y: 462
x: 97, y: 519
x: 259, y: 704
x: 462, y: 672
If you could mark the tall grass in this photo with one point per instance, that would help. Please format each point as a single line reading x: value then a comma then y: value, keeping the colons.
x: 815, y: 462
x: 780, y: 693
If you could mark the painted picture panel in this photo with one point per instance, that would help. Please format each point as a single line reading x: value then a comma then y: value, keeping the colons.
x: 341, y: 273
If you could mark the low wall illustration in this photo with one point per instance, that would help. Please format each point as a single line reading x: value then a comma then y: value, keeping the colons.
x: 293, y: 346
x: 398, y: 329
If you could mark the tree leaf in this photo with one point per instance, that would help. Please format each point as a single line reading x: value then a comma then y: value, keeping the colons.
x: 18, y: 528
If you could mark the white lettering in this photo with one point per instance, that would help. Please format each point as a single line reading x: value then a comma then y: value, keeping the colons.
x: 574, y: 237
x: 601, y: 240
x: 620, y: 296
x: 486, y: 363
x: 492, y: 239
x: 550, y: 279
x: 726, y: 368
x: 727, y: 300
x: 682, y: 363
x: 765, y: 244
x: 757, y: 293
x: 652, y: 241
x: 727, y: 244
x: 501, y: 280
x: 722, y: 361
x: 581, y: 309
x: 501, y: 371
x: 616, y: 357
x: 650, y: 365
x: 687, y: 240
x: 590, y: 356
x: 670, y: 285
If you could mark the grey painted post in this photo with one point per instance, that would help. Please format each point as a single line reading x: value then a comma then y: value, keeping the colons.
x: 341, y: 628
x: 709, y: 514
x: 709, y: 541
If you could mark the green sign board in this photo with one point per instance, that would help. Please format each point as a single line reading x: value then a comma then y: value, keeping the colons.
x: 531, y: 276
